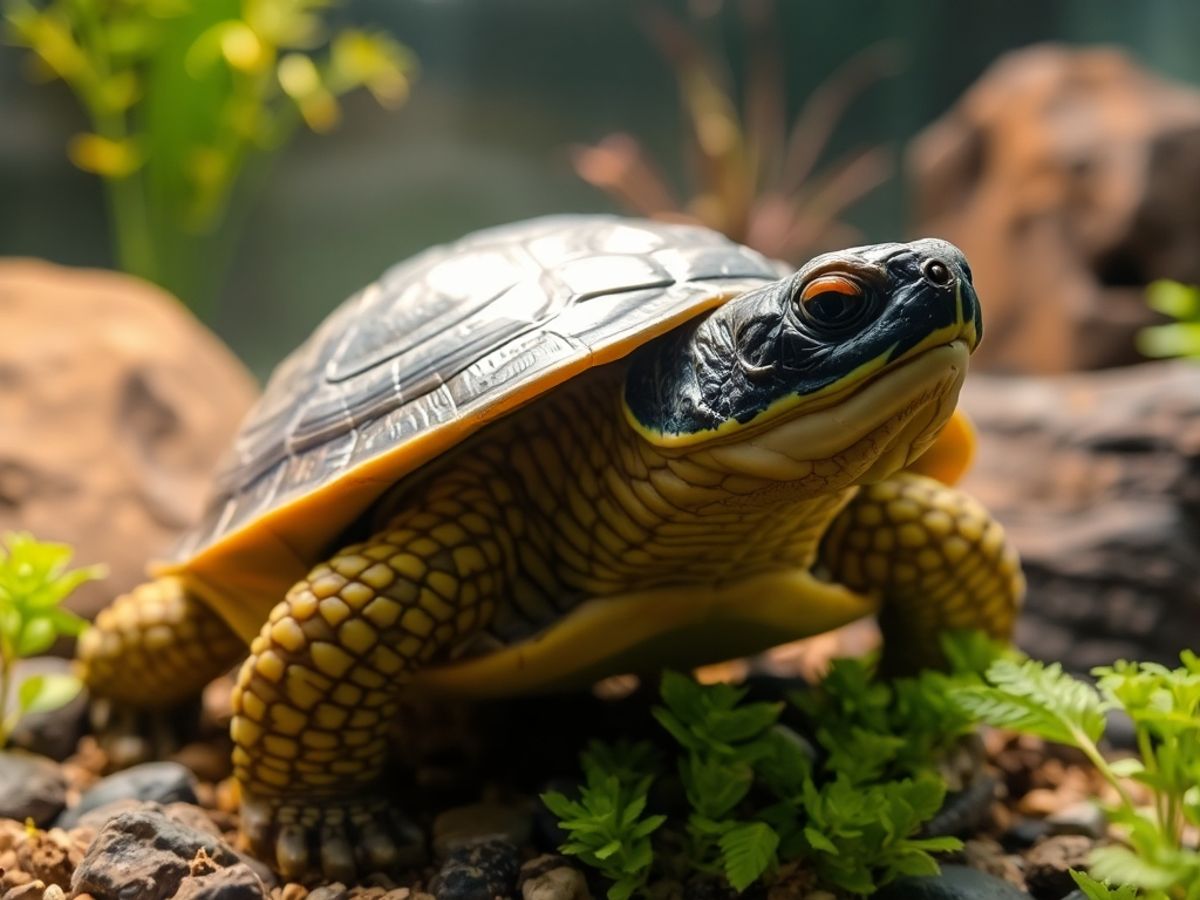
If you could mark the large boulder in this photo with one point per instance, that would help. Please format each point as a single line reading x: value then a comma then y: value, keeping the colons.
x: 1069, y: 178
x: 115, y: 404
x: 1096, y: 476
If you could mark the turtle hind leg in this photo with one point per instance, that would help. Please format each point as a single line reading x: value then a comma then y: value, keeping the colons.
x: 156, y: 647
x: 935, y: 557
x: 146, y: 657
x: 316, y: 703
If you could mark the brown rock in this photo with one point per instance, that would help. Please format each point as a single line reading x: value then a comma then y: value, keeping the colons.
x: 50, y: 856
x: 236, y: 882
x: 116, y: 404
x: 146, y: 854
x: 1068, y: 177
x: 1096, y: 477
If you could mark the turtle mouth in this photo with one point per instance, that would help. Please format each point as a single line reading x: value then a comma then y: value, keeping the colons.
x: 863, y: 432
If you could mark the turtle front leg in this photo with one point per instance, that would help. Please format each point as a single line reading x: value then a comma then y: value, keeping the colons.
x: 316, y: 700
x: 936, y: 558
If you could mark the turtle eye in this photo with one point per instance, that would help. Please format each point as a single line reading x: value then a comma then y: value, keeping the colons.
x: 937, y: 273
x: 833, y: 304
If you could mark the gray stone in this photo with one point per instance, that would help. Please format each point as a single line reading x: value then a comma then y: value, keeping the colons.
x: 31, y: 787
x: 158, y: 782
x: 479, y: 871
x: 1096, y: 478
x: 954, y: 883
x: 479, y: 822
x: 1085, y: 818
x: 145, y: 855
x: 238, y: 882
x: 55, y: 732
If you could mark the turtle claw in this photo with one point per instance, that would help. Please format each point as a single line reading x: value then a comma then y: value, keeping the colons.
x: 341, y: 841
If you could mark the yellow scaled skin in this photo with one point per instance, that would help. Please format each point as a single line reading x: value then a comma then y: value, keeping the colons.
x: 561, y: 545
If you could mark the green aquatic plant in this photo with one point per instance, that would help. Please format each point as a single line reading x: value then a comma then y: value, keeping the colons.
x: 1181, y: 337
x: 758, y: 795
x: 186, y: 102
x: 1155, y: 855
x: 34, y: 581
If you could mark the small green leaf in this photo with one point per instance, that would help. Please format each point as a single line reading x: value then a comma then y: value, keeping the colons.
x: 819, y: 841
x: 1099, y: 890
x: 748, y: 851
x: 37, y: 636
x: 42, y: 693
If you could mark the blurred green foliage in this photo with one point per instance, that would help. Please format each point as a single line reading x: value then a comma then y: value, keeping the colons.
x: 187, y: 100
x: 1179, y: 338
x: 34, y: 581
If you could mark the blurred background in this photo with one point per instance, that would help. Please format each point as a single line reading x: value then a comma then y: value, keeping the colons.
x: 1057, y: 142
x: 504, y: 91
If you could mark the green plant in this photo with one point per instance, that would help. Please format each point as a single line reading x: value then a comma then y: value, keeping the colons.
x: 1156, y: 855
x: 758, y: 795
x: 186, y: 101
x: 34, y: 581
x: 608, y: 828
x: 1099, y: 890
x: 1180, y: 338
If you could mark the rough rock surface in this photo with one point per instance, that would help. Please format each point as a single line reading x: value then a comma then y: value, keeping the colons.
x: 116, y: 404
x: 145, y: 854
x: 1096, y: 476
x: 477, y: 871
x: 1068, y: 177
x: 159, y: 782
x: 31, y: 787
x: 236, y: 882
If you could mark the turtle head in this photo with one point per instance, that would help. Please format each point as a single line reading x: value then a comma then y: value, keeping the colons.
x: 850, y: 368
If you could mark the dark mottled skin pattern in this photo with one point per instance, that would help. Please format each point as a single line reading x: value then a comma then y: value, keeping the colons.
x: 759, y: 348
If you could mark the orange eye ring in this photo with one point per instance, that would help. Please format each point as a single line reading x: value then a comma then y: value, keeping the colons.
x: 824, y: 284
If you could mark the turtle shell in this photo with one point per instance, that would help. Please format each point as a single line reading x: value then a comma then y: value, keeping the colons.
x: 414, y: 363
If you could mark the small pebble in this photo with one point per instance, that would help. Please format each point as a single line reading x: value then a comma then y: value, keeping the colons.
x: 31, y: 787
x: 479, y: 871
x: 552, y: 877
x: 480, y: 822
x: 159, y: 782
x: 988, y: 856
x: 1085, y: 818
x: 1024, y: 833
x: 1048, y: 863
x: 563, y: 883
x: 335, y: 891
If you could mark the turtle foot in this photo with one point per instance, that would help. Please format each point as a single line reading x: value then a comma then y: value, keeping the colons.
x: 340, y: 839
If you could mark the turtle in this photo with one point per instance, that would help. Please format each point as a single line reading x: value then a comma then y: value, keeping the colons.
x: 551, y: 452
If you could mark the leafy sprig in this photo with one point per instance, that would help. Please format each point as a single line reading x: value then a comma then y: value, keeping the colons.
x: 1164, y: 706
x: 34, y: 581
x: 758, y: 794
x: 607, y: 824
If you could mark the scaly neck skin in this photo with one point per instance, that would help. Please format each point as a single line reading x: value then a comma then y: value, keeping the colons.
x: 619, y: 514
